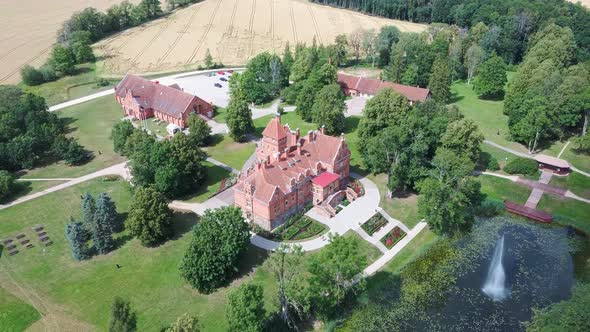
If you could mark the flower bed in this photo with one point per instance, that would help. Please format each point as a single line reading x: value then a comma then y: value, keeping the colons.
x: 374, y: 224
x: 357, y: 186
x: 345, y: 202
x: 312, y: 228
x: 225, y: 184
x: 298, y: 227
x: 393, y: 237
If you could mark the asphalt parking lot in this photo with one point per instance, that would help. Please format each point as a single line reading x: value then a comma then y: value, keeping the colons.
x: 203, y: 86
x: 355, y: 106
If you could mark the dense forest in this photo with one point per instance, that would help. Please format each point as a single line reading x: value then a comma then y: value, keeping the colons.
x: 512, y: 21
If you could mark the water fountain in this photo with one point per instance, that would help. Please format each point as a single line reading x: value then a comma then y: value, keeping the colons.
x: 495, y: 284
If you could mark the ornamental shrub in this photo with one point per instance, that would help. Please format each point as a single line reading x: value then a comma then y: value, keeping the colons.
x: 493, y: 164
x: 521, y: 165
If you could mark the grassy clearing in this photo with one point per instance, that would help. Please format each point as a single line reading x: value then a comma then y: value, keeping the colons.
x: 501, y: 156
x: 403, y: 208
x: 71, y: 87
x: 579, y: 160
x: 15, y: 315
x: 30, y: 187
x: 91, y: 124
x: 220, y: 114
x: 503, y: 189
x: 156, y: 128
x: 576, y: 213
x: 230, y: 152
x: 214, y: 176
x: 149, y: 277
x: 575, y: 182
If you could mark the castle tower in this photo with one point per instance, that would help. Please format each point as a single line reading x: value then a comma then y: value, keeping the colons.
x: 274, y: 139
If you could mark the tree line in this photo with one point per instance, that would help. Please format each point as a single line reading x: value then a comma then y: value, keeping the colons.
x: 30, y: 135
x: 512, y: 21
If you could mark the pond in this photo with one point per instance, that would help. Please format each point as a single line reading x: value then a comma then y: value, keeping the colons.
x: 526, y: 265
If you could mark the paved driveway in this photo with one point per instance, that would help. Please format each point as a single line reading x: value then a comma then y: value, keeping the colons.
x: 355, y: 106
x: 203, y: 85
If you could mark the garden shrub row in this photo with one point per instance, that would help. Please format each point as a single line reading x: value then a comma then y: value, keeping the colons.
x: 524, y: 166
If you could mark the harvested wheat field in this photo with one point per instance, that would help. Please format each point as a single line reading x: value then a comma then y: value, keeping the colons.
x: 28, y: 29
x: 233, y: 31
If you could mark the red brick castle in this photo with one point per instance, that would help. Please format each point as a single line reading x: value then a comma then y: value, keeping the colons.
x: 291, y: 172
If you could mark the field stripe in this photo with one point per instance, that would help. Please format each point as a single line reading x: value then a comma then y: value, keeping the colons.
x: 179, y: 37
x: 293, y: 26
x: 196, y: 50
x: 25, y: 63
x: 315, y: 22
x: 251, y: 30
x: 228, y: 32
x: 147, y: 46
x: 272, y: 25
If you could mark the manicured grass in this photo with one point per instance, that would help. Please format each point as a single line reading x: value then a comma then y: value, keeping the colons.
x: 365, y: 247
x: 503, y: 189
x: 91, y: 124
x: 579, y: 160
x: 15, y: 314
x: 214, y: 176
x: 575, y: 182
x: 24, y: 188
x: 149, y: 277
x: 220, y: 114
x: 71, y: 87
x: 403, y: 208
x: 230, y: 152
x: 576, y: 213
x: 501, y: 156
x: 154, y: 127
x: 302, y: 229
x: 291, y: 118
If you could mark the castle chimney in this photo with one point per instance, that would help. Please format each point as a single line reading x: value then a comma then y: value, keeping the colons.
x: 258, y: 165
x: 323, y: 129
x: 298, y: 148
x: 286, y: 152
x: 267, y: 160
x: 342, y: 136
x: 297, y: 132
x: 310, y: 136
x: 276, y: 156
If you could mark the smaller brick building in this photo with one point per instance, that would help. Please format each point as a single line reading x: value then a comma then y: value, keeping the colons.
x: 142, y: 99
x: 291, y: 172
x: 368, y: 87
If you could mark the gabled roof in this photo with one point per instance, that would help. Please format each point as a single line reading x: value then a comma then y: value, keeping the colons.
x: 274, y: 129
x: 161, y: 98
x: 371, y: 86
x: 541, y: 158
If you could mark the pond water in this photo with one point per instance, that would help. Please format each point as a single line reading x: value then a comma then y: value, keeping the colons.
x: 540, y: 264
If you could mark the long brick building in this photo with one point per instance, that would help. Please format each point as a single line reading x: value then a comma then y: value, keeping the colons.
x: 292, y: 171
x: 367, y: 87
x: 142, y: 99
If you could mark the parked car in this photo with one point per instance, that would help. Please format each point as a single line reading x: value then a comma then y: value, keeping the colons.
x: 221, y: 72
x: 217, y: 85
x: 223, y: 79
x: 230, y: 71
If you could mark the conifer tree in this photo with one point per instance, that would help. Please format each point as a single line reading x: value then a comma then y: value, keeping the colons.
x: 105, y: 218
x: 88, y: 209
x: 439, y: 83
x: 77, y: 236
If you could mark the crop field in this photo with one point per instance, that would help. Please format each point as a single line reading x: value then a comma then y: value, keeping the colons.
x: 28, y: 29
x: 233, y: 31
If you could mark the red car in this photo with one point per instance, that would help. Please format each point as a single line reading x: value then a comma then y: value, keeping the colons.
x: 221, y: 73
x: 230, y: 71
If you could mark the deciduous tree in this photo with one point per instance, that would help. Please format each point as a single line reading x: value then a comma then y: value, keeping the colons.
x: 185, y: 323
x: 491, y: 78
x: 150, y: 219
x: 218, y: 240
x: 123, y: 317
x: 245, y: 309
x: 239, y: 119
x: 463, y: 138
x: 328, y: 109
x: 121, y: 131
x: 199, y: 130
x: 440, y: 81
x: 474, y: 56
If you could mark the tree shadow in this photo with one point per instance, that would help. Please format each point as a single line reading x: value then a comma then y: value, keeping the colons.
x: 493, y: 97
x: 81, y: 70
x: 351, y: 124
x: 401, y: 193
x: 184, y: 222
x: 121, y: 240
x: 252, y: 258
x: 456, y: 98
x: 483, y: 161
x: 21, y: 188
x: 214, y: 140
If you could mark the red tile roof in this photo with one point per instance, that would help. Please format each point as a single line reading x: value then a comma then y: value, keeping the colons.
x: 324, y: 179
x: 371, y: 86
x: 274, y: 129
x: 161, y: 98
x: 544, y: 159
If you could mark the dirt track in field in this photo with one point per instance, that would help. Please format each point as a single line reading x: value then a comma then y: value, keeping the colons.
x: 232, y: 30
x: 28, y: 29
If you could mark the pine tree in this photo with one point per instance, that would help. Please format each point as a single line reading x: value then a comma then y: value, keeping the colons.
x: 88, y: 209
x: 208, y: 59
x: 123, y: 318
x: 105, y: 218
x: 77, y: 236
x: 288, y: 58
x: 439, y: 83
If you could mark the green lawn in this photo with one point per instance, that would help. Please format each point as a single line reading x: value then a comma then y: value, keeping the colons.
x: 579, y: 160
x: 405, y: 208
x: 91, y: 124
x: 503, y: 189
x: 15, y: 315
x: 148, y: 277
x: 576, y: 213
x: 71, y: 87
x: 154, y: 127
x: 365, y: 247
x: 501, y: 156
x: 214, y: 176
x: 575, y: 182
x: 230, y: 152
x: 30, y: 187
x: 220, y: 114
